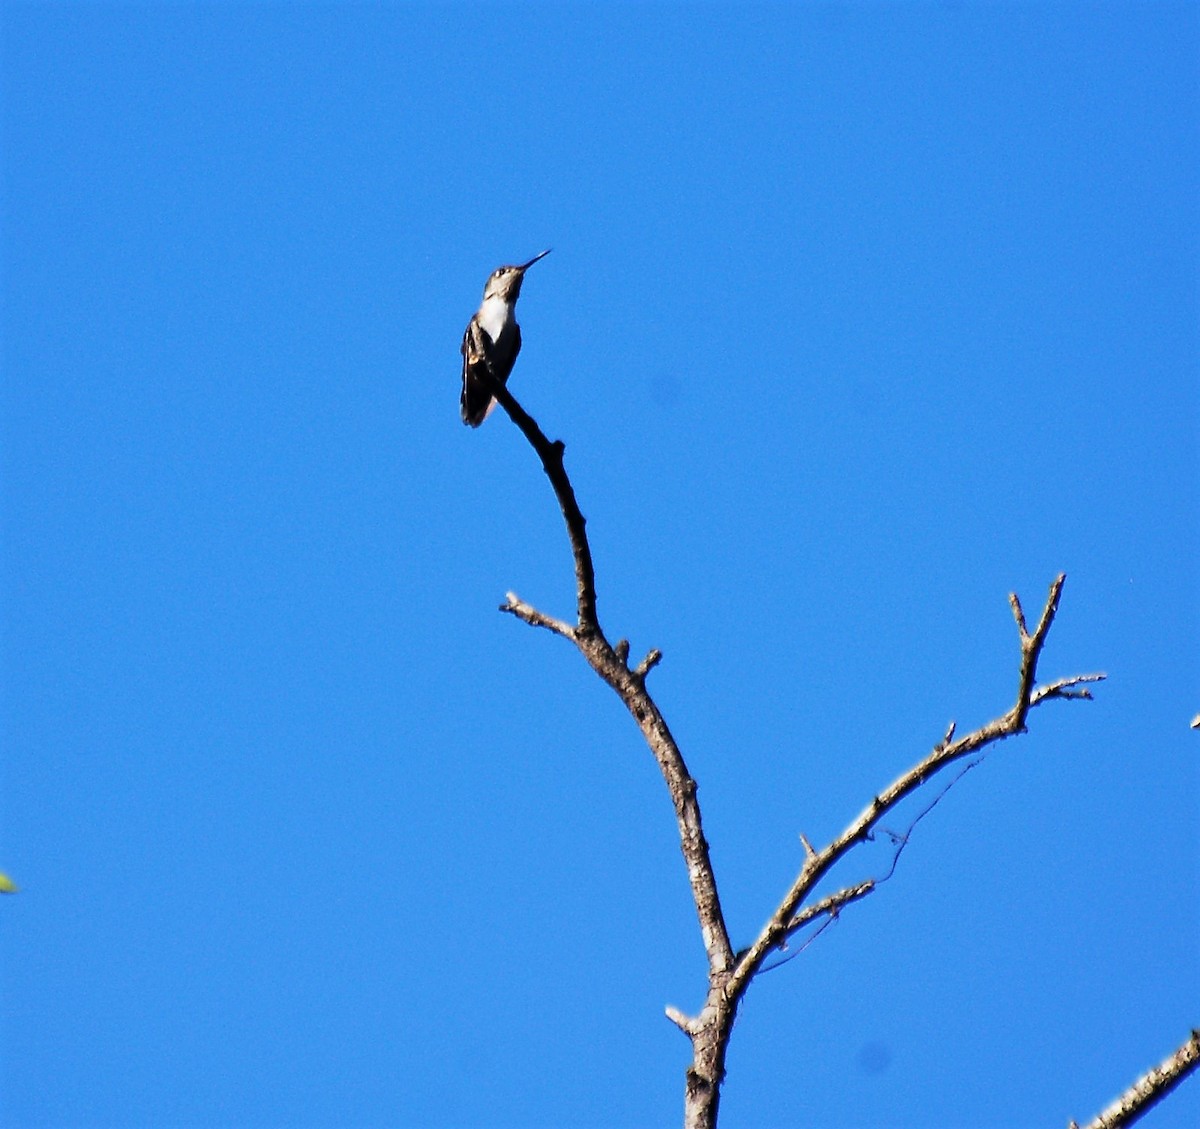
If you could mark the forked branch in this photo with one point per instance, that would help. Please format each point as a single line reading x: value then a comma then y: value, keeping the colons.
x: 785, y: 920
x: 730, y: 974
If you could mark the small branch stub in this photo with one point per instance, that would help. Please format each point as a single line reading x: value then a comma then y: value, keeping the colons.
x: 685, y: 1023
x: 648, y: 663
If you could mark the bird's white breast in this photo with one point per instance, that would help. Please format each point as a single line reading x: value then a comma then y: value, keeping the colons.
x: 493, y: 316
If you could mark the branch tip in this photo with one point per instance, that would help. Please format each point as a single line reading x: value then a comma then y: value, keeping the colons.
x: 1014, y: 602
x: 621, y: 650
x: 1051, y: 608
x: 809, y: 851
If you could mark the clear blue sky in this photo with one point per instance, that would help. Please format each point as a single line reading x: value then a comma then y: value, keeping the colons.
x: 858, y: 318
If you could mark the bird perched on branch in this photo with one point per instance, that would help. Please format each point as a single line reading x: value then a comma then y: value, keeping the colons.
x: 492, y: 340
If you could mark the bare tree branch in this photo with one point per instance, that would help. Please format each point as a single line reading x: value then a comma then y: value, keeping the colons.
x: 551, y: 455
x: 1150, y: 1088
x: 611, y: 664
x: 817, y: 865
x: 730, y: 974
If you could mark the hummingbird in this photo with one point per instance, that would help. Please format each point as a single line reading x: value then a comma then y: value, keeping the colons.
x: 492, y: 339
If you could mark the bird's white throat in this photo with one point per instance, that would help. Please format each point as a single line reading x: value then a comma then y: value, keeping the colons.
x: 494, y: 315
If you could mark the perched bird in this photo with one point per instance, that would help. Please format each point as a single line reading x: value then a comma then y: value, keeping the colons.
x: 492, y: 340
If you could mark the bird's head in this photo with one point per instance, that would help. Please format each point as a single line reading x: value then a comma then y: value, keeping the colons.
x: 505, y: 282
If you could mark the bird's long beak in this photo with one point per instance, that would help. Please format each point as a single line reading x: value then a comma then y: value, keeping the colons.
x: 526, y: 266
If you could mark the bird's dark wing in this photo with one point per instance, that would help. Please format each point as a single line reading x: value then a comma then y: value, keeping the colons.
x: 476, y: 399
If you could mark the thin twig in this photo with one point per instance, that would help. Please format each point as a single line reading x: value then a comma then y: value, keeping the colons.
x: 514, y: 605
x: 832, y: 905
x: 1067, y: 688
x: 829, y: 908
